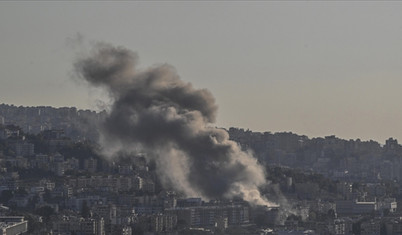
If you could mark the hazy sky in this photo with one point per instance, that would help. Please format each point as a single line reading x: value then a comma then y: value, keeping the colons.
x: 313, y: 68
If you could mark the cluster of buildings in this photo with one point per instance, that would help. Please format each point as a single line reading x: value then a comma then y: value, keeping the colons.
x: 77, y: 124
x: 335, y: 158
x: 323, y: 185
x: 78, y: 225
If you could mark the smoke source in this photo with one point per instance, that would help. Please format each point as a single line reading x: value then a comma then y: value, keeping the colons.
x: 155, y: 112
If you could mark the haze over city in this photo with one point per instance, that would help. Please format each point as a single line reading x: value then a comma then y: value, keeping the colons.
x: 200, y: 117
x: 313, y: 68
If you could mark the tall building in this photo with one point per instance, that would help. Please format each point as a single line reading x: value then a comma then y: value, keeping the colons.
x: 91, y: 165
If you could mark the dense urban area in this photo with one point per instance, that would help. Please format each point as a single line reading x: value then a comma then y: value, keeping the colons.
x: 54, y: 180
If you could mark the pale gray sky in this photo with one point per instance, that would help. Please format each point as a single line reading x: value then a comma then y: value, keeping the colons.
x: 314, y: 68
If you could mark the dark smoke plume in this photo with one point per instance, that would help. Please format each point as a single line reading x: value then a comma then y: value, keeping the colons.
x: 155, y: 112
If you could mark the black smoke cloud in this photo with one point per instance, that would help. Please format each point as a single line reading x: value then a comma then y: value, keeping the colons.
x: 155, y: 112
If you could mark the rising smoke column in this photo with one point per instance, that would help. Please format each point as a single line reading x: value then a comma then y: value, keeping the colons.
x: 155, y: 112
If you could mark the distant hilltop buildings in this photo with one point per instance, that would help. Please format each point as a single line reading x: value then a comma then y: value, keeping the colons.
x: 77, y: 124
x: 330, y: 156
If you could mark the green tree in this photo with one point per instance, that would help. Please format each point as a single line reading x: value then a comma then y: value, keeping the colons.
x: 45, y: 211
x: 6, y: 196
x: 331, y: 213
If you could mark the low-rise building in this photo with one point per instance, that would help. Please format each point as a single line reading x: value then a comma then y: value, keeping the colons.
x: 13, y: 225
x: 370, y: 227
x: 348, y: 207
